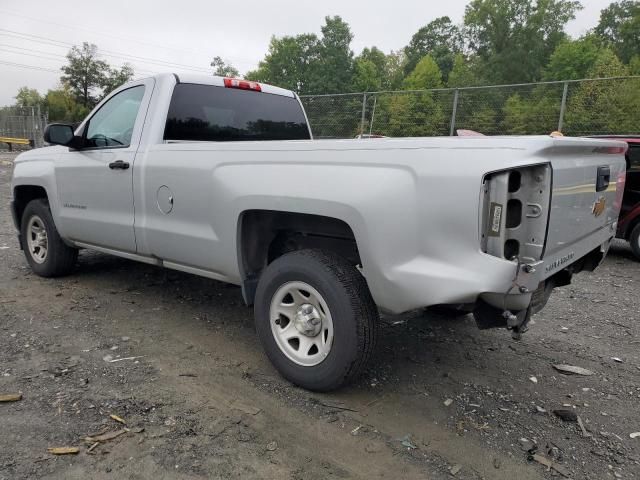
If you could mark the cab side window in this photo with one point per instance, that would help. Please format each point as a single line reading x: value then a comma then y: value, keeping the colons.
x: 112, y: 125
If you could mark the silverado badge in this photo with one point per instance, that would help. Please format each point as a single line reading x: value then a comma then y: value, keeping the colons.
x: 599, y: 206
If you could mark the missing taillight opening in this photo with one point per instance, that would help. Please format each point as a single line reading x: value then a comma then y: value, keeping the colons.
x: 523, y: 195
x: 515, y: 179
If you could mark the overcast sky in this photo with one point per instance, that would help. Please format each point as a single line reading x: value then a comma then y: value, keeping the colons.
x: 190, y: 33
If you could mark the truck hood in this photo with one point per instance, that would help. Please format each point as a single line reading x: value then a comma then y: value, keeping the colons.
x: 39, y: 154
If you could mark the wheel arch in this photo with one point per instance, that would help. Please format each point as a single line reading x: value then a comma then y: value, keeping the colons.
x: 22, y: 195
x: 632, y: 219
x: 264, y: 235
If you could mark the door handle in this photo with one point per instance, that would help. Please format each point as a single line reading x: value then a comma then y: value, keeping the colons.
x: 604, y: 177
x: 119, y: 165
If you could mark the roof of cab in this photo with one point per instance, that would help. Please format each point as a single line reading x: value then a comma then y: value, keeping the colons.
x: 219, y: 82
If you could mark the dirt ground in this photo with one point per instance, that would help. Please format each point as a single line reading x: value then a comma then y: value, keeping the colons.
x: 177, y: 358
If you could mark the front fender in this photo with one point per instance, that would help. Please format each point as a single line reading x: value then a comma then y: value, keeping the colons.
x: 37, y: 168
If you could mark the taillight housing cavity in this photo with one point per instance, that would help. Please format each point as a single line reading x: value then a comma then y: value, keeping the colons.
x: 515, y: 213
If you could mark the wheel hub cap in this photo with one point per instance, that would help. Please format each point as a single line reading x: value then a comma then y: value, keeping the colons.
x: 37, y: 241
x: 307, y: 320
x: 301, y: 323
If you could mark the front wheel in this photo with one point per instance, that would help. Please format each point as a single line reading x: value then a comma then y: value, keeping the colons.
x: 634, y: 240
x: 316, y: 319
x: 46, y: 252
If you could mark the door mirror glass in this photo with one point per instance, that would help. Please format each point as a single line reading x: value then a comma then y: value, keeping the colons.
x: 58, y: 134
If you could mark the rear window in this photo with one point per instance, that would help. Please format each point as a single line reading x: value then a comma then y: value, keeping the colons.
x: 219, y: 114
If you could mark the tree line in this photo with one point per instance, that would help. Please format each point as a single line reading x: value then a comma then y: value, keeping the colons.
x: 498, y: 42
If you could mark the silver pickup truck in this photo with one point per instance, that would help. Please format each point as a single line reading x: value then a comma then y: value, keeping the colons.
x: 220, y: 177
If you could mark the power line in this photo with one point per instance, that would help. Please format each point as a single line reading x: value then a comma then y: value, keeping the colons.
x: 57, y: 56
x: 27, y: 54
x: 107, y: 53
x: 31, y: 67
x: 245, y: 61
x: 97, y: 32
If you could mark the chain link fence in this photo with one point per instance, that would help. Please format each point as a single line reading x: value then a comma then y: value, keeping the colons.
x: 603, y: 106
x: 23, y: 123
x: 578, y: 108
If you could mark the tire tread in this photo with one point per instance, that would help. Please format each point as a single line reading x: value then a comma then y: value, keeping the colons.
x: 61, y: 257
x: 332, y: 268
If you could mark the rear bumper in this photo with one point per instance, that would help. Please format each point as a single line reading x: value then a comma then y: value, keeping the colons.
x: 584, y: 254
x: 567, y: 256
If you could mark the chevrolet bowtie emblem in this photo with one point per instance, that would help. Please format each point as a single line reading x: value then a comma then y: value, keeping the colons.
x: 599, y: 206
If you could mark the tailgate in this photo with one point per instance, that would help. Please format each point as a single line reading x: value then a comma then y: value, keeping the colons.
x: 588, y: 181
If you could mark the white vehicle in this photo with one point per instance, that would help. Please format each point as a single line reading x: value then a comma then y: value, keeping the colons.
x: 221, y: 178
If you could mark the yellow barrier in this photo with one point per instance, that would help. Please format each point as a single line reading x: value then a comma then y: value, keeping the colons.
x: 16, y: 141
x: 11, y: 141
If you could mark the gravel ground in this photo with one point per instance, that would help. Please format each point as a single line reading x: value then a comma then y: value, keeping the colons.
x: 176, y: 357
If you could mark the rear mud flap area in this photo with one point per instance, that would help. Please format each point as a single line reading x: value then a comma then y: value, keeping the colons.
x: 487, y: 316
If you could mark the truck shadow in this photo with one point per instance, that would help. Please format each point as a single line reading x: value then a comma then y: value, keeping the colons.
x: 416, y: 343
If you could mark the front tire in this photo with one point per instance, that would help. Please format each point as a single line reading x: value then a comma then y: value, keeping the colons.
x: 316, y: 319
x: 45, y: 251
x: 634, y: 240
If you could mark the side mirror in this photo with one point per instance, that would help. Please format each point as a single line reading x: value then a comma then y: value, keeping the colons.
x: 58, y: 134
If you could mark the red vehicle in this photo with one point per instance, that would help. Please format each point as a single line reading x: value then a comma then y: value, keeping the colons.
x: 629, y: 222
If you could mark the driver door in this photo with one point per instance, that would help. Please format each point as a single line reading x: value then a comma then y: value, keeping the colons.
x: 95, y: 184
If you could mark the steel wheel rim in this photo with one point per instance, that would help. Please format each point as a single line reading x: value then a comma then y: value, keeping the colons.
x: 301, y: 323
x: 37, y: 240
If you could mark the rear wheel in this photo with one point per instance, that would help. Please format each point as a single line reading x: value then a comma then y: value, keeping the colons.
x: 316, y: 318
x: 45, y: 251
x: 634, y: 240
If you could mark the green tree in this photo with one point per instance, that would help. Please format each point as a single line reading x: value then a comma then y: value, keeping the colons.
x: 367, y: 77
x: 84, y: 73
x: 602, y: 107
x: 376, y: 56
x: 370, y: 71
x: 394, y: 70
x: 290, y: 63
x: 573, y: 59
x: 440, y: 39
x: 334, y: 69
x: 464, y: 72
x: 413, y: 115
x: 28, y: 97
x: 114, y: 77
x: 426, y: 75
x: 223, y: 69
x: 416, y: 113
x: 634, y: 65
x: 516, y: 120
x: 515, y: 38
x: 619, y: 28
x: 62, y: 106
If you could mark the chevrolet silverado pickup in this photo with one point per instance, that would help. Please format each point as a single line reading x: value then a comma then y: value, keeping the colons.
x: 221, y: 178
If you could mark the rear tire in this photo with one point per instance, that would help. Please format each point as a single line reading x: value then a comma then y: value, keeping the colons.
x: 316, y: 319
x: 634, y: 240
x: 45, y: 251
